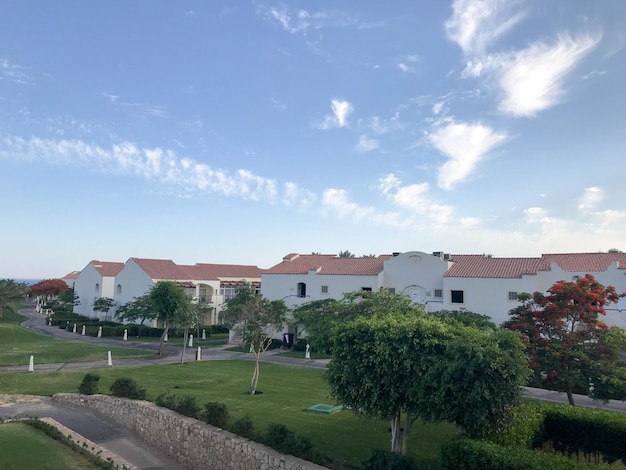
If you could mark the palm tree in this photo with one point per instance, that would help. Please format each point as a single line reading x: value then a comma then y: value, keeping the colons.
x: 11, y: 292
x: 346, y: 254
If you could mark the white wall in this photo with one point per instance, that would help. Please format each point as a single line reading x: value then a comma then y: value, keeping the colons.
x: 85, y: 289
x: 131, y: 282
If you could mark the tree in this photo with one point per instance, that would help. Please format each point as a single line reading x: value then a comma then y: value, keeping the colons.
x: 467, y: 318
x: 168, y: 299
x: 138, y: 311
x: 10, y: 293
x: 566, y: 340
x: 371, y: 255
x: 318, y: 318
x: 404, y: 367
x: 256, y: 319
x: 103, y: 305
x: 48, y: 287
x: 346, y: 254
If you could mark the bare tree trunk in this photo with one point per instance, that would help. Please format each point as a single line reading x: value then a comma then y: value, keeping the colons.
x: 182, y: 357
x: 165, y: 331
x: 395, y: 433
x: 406, y: 431
x: 570, y: 396
x: 255, y: 376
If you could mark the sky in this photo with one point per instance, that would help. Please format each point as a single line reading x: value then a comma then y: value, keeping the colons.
x: 239, y: 132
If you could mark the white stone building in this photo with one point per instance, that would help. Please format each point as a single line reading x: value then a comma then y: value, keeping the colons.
x: 96, y: 280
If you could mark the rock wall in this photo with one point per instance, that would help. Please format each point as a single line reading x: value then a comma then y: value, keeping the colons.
x: 196, y: 445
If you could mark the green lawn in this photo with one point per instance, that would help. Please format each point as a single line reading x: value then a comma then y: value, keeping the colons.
x: 301, y: 354
x: 287, y: 392
x: 19, y: 343
x: 23, y: 447
x: 212, y: 341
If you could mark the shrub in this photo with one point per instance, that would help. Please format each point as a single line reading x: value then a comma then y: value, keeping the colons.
x: 245, y: 428
x: 217, y: 329
x: 188, y: 406
x: 166, y: 401
x: 282, y: 439
x: 216, y: 414
x: 300, y: 345
x: 386, y: 460
x: 89, y: 385
x: 128, y: 388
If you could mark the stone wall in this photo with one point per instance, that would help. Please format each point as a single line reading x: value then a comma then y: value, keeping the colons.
x: 196, y: 445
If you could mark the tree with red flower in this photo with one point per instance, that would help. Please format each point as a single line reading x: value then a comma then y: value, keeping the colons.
x: 567, y: 342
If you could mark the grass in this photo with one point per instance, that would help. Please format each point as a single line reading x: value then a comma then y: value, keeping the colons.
x: 212, y: 341
x: 19, y: 343
x: 287, y: 392
x: 22, y: 446
x: 301, y: 354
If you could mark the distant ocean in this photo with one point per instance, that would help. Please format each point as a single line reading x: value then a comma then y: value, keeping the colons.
x: 28, y: 281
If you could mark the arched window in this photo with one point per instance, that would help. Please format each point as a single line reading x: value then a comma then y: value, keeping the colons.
x: 97, y: 288
x: 119, y: 288
x: 301, y: 289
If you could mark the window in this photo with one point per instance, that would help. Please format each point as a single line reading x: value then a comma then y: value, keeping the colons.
x: 366, y: 289
x: 512, y: 295
x: 324, y: 289
x: 391, y: 290
x: 97, y: 288
x: 228, y: 293
x: 438, y: 293
x: 301, y: 289
x: 119, y: 288
x: 456, y: 296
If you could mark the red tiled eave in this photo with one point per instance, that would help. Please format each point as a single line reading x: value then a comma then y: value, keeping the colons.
x: 329, y: 265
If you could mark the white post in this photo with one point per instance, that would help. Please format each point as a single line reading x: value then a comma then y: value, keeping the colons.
x: 190, y: 341
x: 83, y: 332
x: 99, y: 332
x: 199, y: 354
x: 165, y: 339
x: 31, y: 364
x: 74, y: 330
x: 307, y: 354
x: 125, y: 334
x: 50, y: 321
x: 110, y: 360
x: 203, y: 334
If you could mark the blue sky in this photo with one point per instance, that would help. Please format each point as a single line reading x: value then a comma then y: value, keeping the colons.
x: 238, y: 132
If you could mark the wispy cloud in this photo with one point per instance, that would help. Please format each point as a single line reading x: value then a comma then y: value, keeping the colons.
x: 533, y: 80
x: 408, y: 63
x: 296, y: 20
x: 366, y: 144
x: 475, y: 24
x: 140, y: 109
x: 465, y: 146
x: 338, y: 202
x: 341, y: 110
x: 13, y: 72
x: 414, y: 198
x: 163, y: 166
x: 590, y: 199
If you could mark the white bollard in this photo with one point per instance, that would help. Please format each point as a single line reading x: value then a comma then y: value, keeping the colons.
x: 199, y: 354
x: 165, y: 339
x: 74, y: 330
x: 31, y: 364
x: 83, y: 332
x: 125, y: 334
x: 307, y: 354
x: 49, y: 321
x: 99, y: 332
x: 110, y: 360
x: 203, y: 334
x: 190, y: 341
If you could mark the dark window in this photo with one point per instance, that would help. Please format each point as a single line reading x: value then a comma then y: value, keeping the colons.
x: 456, y: 296
x: 512, y: 295
x: 438, y: 293
x: 366, y: 289
x: 301, y: 289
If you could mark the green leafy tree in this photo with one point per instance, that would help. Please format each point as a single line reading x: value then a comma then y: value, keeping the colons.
x: 371, y: 255
x: 137, y: 311
x: 567, y: 342
x: 402, y: 367
x: 11, y: 292
x: 68, y: 299
x: 103, y: 305
x: 168, y: 300
x: 257, y: 320
x: 467, y: 318
x: 318, y: 318
x: 346, y: 254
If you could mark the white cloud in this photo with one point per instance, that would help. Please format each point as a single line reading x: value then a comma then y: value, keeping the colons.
x: 341, y: 110
x: 301, y: 21
x: 590, y: 199
x: 414, y: 198
x: 464, y: 145
x: 338, y: 202
x: 365, y: 144
x: 533, y: 80
x: 139, y: 109
x: 162, y: 166
x: 13, y: 72
x: 475, y: 24
x: 407, y: 63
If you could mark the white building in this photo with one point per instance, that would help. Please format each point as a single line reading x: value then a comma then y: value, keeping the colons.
x: 96, y: 280
x: 478, y: 283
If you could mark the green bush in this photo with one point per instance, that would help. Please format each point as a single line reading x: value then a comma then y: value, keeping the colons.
x: 216, y: 414
x: 300, y: 345
x: 217, y: 329
x: 245, y: 428
x: 127, y: 388
x: 166, y: 401
x: 89, y: 385
x: 285, y: 441
x: 386, y: 460
x: 185, y: 405
x: 468, y: 454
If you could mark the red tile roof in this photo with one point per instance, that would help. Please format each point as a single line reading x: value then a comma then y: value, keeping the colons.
x: 107, y: 268
x: 164, y: 269
x: 207, y: 271
x: 482, y: 266
x: 329, y: 264
x: 72, y: 275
